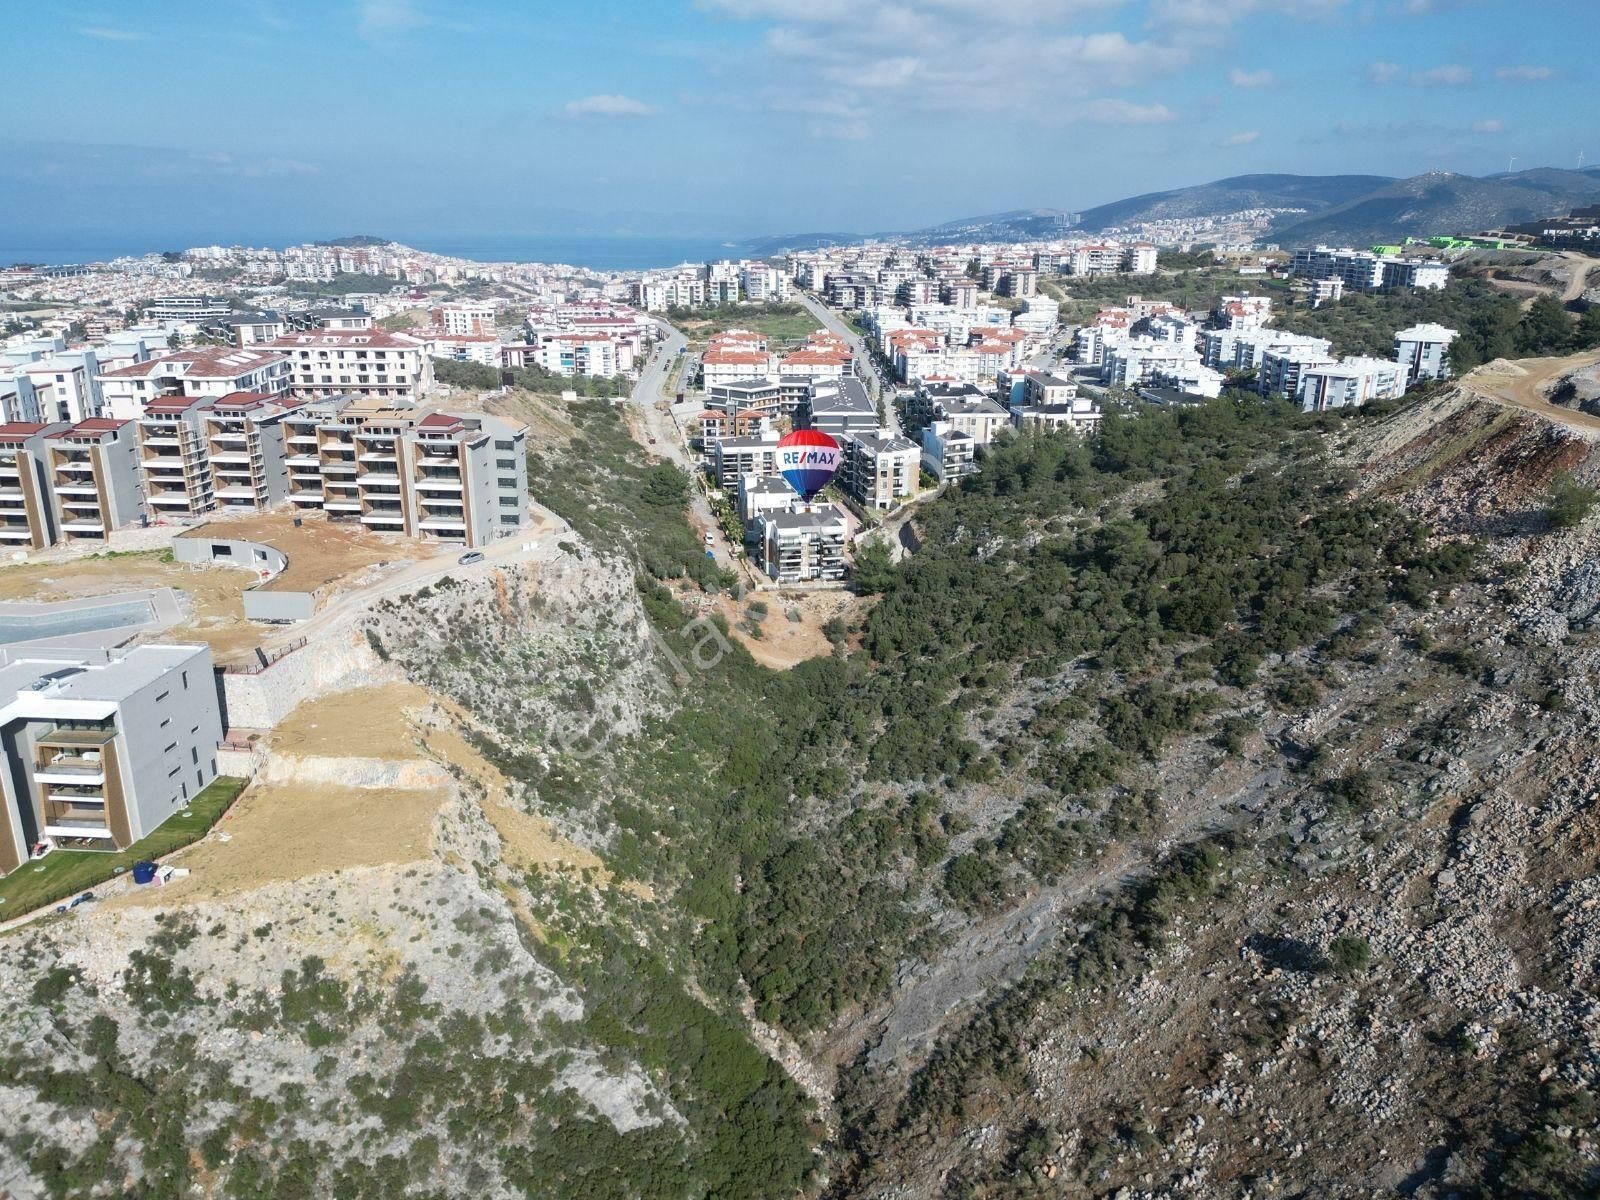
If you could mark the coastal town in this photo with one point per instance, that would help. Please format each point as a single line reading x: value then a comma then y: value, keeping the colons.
x: 213, y: 402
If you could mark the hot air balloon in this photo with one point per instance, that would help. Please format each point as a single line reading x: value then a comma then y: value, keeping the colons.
x: 807, y: 459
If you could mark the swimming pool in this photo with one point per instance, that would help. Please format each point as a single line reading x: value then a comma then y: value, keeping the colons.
x: 36, y: 622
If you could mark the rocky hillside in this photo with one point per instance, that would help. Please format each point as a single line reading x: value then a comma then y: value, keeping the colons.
x: 1205, y: 812
x: 1376, y: 974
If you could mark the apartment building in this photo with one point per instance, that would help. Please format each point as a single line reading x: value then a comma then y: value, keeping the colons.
x: 734, y: 457
x: 839, y: 407
x: 803, y: 546
x: 1424, y: 350
x: 174, y: 468
x: 27, y: 507
x: 464, y: 318
x: 728, y: 363
x: 392, y: 367
x: 243, y: 439
x: 1366, y: 271
x: 445, y: 476
x: 18, y: 399
x: 101, y: 747
x: 1281, y: 369
x: 65, y: 385
x: 93, y: 470
x: 879, y: 470
x: 1349, y: 383
x: 1243, y: 350
x: 947, y: 453
x: 760, y: 495
x: 186, y: 308
x: 1079, y: 414
x: 597, y: 354
x: 204, y: 371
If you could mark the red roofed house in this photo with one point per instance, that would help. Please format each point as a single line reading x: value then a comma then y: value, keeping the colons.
x: 203, y: 371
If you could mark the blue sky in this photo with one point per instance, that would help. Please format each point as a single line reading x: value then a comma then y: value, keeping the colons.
x: 285, y: 119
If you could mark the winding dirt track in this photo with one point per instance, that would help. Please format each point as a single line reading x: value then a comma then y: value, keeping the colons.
x: 1526, y: 384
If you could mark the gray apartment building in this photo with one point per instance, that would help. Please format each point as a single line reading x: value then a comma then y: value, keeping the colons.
x: 101, y: 746
x: 452, y: 477
x: 804, y: 546
x: 27, y: 509
x: 839, y: 407
x: 92, y: 477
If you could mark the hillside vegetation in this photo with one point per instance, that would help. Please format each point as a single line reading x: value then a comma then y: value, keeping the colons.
x: 1203, y: 813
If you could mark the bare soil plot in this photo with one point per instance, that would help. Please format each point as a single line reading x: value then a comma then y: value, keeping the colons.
x: 322, y: 554
x: 213, y: 594
x: 285, y: 832
x: 784, y: 643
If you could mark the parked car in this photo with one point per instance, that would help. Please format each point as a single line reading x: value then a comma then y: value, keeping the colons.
x: 470, y: 557
x: 711, y: 538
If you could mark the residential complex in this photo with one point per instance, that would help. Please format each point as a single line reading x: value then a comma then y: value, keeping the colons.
x: 441, y: 476
x: 364, y: 362
x: 101, y: 746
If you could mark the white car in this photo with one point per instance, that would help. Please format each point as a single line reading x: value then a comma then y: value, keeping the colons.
x: 711, y: 538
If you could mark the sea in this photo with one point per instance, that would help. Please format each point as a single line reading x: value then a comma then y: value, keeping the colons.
x: 599, y: 253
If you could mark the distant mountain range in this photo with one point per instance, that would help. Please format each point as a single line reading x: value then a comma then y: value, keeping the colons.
x: 1347, y: 209
x: 1440, y: 202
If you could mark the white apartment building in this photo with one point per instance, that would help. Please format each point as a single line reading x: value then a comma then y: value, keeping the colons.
x: 1365, y: 271
x: 1424, y: 351
x: 1282, y: 367
x: 729, y: 364
x: 803, y: 546
x: 597, y: 354
x: 464, y: 318
x: 1349, y: 383
x: 363, y: 362
x: 204, y: 371
x: 1243, y: 350
x: 763, y: 284
x: 1244, y: 312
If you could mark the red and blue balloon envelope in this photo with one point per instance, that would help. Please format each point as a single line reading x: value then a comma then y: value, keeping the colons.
x: 807, y: 459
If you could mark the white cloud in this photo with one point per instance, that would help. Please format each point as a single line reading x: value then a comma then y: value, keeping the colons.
x: 1122, y: 112
x: 1489, y: 126
x: 1224, y: 14
x: 104, y: 34
x: 1384, y: 72
x: 607, y: 104
x: 379, y: 18
x: 1241, y: 78
x: 1245, y: 138
x: 1525, y: 73
x: 1449, y: 75
x: 908, y: 59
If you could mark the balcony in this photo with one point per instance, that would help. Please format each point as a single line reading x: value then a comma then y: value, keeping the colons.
x: 15, y: 533
x: 439, y: 483
x: 70, y: 828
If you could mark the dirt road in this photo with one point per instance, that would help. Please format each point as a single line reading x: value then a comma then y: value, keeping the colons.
x: 1526, y: 384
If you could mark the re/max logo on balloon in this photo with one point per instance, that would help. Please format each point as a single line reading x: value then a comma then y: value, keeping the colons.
x: 809, y: 457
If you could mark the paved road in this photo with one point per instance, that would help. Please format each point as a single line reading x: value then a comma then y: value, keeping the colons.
x: 646, y: 401
x: 866, y: 366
